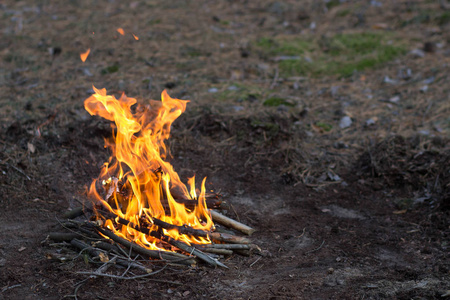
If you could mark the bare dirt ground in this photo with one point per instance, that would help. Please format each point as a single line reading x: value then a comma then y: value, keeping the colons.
x: 340, y: 159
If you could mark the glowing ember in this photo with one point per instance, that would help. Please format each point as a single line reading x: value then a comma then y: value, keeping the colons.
x: 85, y: 55
x: 138, y: 184
x: 121, y: 31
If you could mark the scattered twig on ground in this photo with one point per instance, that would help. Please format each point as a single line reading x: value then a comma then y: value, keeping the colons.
x: 317, y: 249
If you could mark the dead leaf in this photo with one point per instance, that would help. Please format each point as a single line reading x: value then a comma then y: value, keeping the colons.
x: 399, y: 212
x: 31, y: 148
x: 22, y: 248
x: 103, y: 257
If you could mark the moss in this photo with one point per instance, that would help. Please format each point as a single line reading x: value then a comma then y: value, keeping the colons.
x: 324, y: 126
x: 444, y: 18
x: 276, y: 101
x: 110, y: 69
x: 332, y: 3
x: 343, y: 13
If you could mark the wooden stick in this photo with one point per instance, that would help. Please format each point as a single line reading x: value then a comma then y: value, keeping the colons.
x: 169, y: 256
x: 221, y: 219
x: 193, y: 250
x: 94, y: 253
x: 226, y: 246
x: 72, y: 214
x: 228, y: 238
x: 218, y: 251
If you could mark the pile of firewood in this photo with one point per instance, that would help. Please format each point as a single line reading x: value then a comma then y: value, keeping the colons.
x: 84, y: 231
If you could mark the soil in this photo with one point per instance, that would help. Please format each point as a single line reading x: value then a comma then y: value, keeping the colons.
x: 341, y: 212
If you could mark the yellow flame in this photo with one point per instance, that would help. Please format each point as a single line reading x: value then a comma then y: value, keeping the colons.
x: 121, y: 31
x: 85, y: 55
x: 139, y: 184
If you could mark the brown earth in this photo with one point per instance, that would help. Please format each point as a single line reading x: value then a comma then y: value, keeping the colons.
x: 360, y: 212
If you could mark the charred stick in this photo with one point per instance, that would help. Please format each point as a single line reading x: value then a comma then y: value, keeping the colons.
x: 94, y: 253
x: 194, y: 251
x: 178, y: 244
x: 181, y: 229
x: 225, y: 246
x: 191, y: 204
x: 169, y: 256
x: 218, y: 251
x: 221, y: 237
x: 221, y: 219
x: 72, y: 214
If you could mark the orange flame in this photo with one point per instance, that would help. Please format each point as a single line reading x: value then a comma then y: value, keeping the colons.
x: 121, y: 31
x: 139, y: 184
x: 135, y: 37
x: 85, y: 55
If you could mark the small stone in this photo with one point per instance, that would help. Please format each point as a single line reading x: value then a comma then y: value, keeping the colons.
x: 376, y: 3
x: 371, y: 121
x: 424, y: 89
x: 386, y: 79
x: 334, y: 90
x: 213, y: 90
x: 428, y: 80
x: 417, y: 53
x: 345, y: 122
x: 394, y: 99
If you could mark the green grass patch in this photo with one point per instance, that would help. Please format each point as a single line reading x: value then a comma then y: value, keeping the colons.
x: 343, y: 13
x: 444, y: 18
x: 293, y: 47
x: 324, y: 126
x: 110, y: 69
x: 276, y: 101
x: 340, y: 55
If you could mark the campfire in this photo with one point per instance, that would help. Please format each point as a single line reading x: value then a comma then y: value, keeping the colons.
x: 140, y: 203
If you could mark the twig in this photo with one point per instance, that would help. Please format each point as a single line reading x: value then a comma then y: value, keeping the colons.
x: 218, y: 251
x: 323, y: 242
x: 275, y: 79
x: 17, y: 169
x: 106, y: 265
x: 10, y: 287
x: 225, y: 246
x: 95, y: 252
x: 180, y: 245
x: 132, y: 277
x: 168, y: 256
x: 251, y: 265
